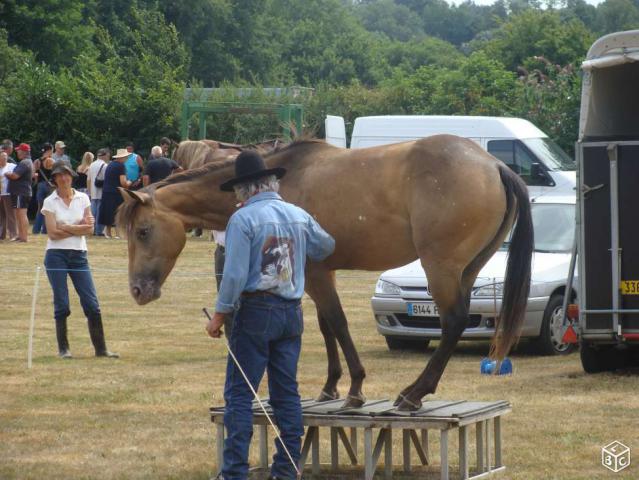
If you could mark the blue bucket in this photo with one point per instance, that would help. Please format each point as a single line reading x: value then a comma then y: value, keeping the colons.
x: 488, y: 366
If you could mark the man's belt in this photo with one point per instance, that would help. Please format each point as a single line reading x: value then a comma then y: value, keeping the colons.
x: 259, y: 293
x: 262, y: 293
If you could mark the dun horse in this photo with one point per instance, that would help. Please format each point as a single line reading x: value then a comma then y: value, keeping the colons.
x: 191, y: 154
x: 442, y: 199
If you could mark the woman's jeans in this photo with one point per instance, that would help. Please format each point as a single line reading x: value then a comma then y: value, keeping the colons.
x: 98, y: 229
x: 42, y: 191
x: 266, y: 335
x: 60, y: 263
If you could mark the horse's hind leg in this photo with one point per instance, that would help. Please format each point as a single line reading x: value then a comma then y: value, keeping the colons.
x: 329, y: 392
x: 452, y: 300
x: 320, y: 285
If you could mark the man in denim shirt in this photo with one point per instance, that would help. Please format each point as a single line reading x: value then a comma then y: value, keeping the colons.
x: 267, y: 242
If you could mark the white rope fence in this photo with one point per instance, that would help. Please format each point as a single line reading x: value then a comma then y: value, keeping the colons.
x: 34, y: 298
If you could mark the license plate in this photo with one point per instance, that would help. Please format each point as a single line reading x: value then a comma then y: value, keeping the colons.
x: 423, y: 310
x: 630, y: 287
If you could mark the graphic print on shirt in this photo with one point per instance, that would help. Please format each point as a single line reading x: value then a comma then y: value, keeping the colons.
x: 277, y: 270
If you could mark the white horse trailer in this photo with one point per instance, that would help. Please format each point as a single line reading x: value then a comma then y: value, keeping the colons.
x: 608, y: 203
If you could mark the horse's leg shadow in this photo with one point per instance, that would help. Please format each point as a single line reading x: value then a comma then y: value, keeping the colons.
x: 320, y: 285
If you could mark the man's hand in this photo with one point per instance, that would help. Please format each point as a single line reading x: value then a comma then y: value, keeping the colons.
x: 214, y: 326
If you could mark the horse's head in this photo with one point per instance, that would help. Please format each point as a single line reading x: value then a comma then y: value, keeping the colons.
x: 155, y: 238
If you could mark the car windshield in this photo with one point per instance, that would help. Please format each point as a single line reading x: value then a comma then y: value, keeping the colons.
x: 554, y: 227
x: 550, y: 153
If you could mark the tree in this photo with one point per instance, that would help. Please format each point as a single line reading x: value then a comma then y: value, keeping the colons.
x: 551, y: 101
x: 55, y: 31
x: 539, y: 33
x: 617, y: 15
x: 395, y: 21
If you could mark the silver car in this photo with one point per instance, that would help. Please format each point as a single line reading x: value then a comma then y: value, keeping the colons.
x: 408, y: 318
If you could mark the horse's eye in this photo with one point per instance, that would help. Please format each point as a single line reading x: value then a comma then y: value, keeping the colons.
x: 143, y: 232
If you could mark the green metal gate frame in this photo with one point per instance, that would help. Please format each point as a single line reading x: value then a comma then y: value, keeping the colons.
x: 287, y: 114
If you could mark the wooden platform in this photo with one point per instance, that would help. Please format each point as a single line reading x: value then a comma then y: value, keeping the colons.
x: 380, y: 415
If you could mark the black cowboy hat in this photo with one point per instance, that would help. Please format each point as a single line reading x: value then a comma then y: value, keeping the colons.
x: 250, y: 165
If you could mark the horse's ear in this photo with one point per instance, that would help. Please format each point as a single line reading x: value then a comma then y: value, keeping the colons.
x: 131, y: 196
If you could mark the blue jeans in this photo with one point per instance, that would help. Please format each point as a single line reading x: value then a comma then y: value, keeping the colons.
x: 266, y: 335
x: 42, y: 191
x: 60, y: 263
x: 95, y: 210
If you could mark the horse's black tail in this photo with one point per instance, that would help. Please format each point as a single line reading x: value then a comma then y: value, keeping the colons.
x: 518, y: 269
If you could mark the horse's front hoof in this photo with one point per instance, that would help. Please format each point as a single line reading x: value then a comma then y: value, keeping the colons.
x: 404, y: 404
x: 354, y: 401
x: 326, y: 396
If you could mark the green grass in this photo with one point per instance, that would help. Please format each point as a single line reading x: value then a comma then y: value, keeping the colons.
x: 146, y: 414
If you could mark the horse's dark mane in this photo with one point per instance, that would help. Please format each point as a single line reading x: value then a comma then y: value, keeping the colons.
x: 127, y: 209
x: 296, y: 144
x: 190, y: 174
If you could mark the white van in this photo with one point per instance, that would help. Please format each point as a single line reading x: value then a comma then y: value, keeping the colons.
x: 541, y: 163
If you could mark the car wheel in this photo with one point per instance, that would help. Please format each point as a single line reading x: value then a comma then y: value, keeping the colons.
x: 549, y: 341
x: 395, y: 343
x: 602, y: 358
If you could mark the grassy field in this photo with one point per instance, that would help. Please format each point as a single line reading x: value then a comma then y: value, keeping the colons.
x: 145, y: 415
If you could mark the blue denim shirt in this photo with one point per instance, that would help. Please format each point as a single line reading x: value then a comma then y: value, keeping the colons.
x: 267, y: 242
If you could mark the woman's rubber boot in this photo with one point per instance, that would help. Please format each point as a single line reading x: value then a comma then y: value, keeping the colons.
x: 61, y: 335
x: 97, y: 337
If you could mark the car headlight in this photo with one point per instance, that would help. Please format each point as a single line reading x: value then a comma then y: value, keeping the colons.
x: 386, y: 288
x: 491, y: 290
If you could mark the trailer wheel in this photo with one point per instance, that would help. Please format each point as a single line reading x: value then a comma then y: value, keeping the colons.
x: 549, y: 341
x: 398, y: 343
x: 602, y: 358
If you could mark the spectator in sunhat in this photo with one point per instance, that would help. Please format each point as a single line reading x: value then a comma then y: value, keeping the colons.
x: 20, y: 189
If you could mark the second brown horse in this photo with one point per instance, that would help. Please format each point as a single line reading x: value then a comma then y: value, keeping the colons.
x: 442, y: 199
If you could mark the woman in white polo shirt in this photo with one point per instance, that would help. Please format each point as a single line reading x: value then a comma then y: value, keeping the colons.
x: 68, y: 218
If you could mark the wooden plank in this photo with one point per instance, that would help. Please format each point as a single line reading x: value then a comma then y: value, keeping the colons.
x: 321, y: 408
x: 219, y: 445
x: 371, y: 407
x: 426, y: 408
x: 354, y: 440
x: 388, y: 454
x: 463, y: 452
x: 425, y: 442
x: 263, y: 440
x: 368, y: 454
x: 463, y: 409
x: 377, y: 451
x: 479, y: 439
x: 406, y: 449
x: 352, y: 453
x: 334, y: 449
x: 348, y: 421
x: 497, y: 426
x: 443, y: 453
x: 315, y: 453
x: 306, y: 446
x: 418, y: 447
x: 488, y: 442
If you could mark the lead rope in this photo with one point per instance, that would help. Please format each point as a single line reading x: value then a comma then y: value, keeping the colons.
x: 277, y: 433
